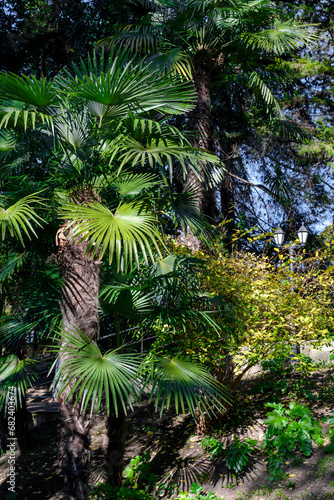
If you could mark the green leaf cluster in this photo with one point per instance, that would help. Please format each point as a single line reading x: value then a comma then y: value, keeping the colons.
x: 138, y: 472
x: 196, y: 493
x: 238, y: 454
x: 290, y: 430
x: 108, y: 492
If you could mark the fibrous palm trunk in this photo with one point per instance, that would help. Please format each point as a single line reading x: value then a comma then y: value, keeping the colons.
x: 79, y: 307
x: 199, y: 122
x: 113, y: 447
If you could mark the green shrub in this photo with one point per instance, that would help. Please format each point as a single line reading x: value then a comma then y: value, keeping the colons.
x: 138, y: 471
x: 238, y: 454
x: 212, y: 445
x: 289, y: 431
x: 196, y: 493
x: 107, y: 492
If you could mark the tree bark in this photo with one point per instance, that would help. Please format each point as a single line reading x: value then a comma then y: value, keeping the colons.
x: 199, y: 122
x: 79, y: 308
x: 113, y: 447
x: 227, y: 203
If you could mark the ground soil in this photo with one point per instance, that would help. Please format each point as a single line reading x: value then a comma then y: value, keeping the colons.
x: 177, y: 457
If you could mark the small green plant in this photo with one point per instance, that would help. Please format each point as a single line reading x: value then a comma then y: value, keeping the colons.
x: 330, y: 448
x: 230, y: 485
x: 238, y: 454
x: 241, y: 496
x: 289, y: 430
x: 291, y: 484
x: 196, y: 493
x: 212, y: 445
x: 323, y: 465
x: 137, y: 472
x: 107, y: 492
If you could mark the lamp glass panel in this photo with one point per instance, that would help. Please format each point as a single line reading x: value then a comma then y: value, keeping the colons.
x: 279, y: 237
x: 302, y: 234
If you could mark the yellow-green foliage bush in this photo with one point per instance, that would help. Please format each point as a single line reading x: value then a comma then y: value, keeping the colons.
x: 261, y: 308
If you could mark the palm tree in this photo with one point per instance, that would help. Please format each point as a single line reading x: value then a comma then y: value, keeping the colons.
x: 202, y: 40
x: 98, y: 152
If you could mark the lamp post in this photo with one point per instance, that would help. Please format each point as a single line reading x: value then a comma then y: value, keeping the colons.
x: 279, y: 236
x: 302, y: 234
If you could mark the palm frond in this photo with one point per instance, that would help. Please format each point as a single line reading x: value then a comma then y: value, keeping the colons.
x: 74, y: 129
x: 135, y: 38
x: 150, y: 143
x: 7, y: 141
x: 127, y: 86
x: 16, y: 218
x: 189, y: 384
x: 9, y: 264
x: 15, y: 375
x: 284, y: 37
x: 121, y: 232
x: 27, y: 89
x: 128, y: 301
x: 185, y: 208
x: 166, y: 265
x: 263, y: 91
x: 26, y: 99
x: 133, y: 184
x: 92, y: 374
x: 173, y: 61
x: 16, y: 114
x: 14, y: 333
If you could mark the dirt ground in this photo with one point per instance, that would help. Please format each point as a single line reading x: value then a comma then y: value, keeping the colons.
x: 177, y: 457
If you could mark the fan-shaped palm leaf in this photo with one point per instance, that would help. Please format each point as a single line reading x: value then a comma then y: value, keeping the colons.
x: 15, y: 375
x: 7, y: 141
x: 74, y: 129
x: 16, y: 114
x: 127, y: 86
x: 166, y: 265
x: 13, y: 333
x: 25, y: 98
x: 172, y: 61
x: 189, y: 384
x: 284, y: 37
x: 93, y: 375
x: 185, y: 209
x: 128, y: 228
x: 16, y: 218
x: 10, y: 263
x: 27, y: 89
x: 148, y: 142
x: 133, y: 184
x: 136, y: 39
x: 128, y: 300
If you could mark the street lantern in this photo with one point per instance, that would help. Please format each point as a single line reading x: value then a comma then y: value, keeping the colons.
x: 302, y: 234
x: 279, y: 237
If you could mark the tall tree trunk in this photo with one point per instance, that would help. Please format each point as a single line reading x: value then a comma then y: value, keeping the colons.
x: 227, y: 203
x: 79, y: 307
x: 113, y: 447
x: 199, y: 122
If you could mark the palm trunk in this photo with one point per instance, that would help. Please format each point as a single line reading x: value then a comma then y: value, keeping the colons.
x: 79, y: 307
x: 199, y: 122
x: 113, y: 447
